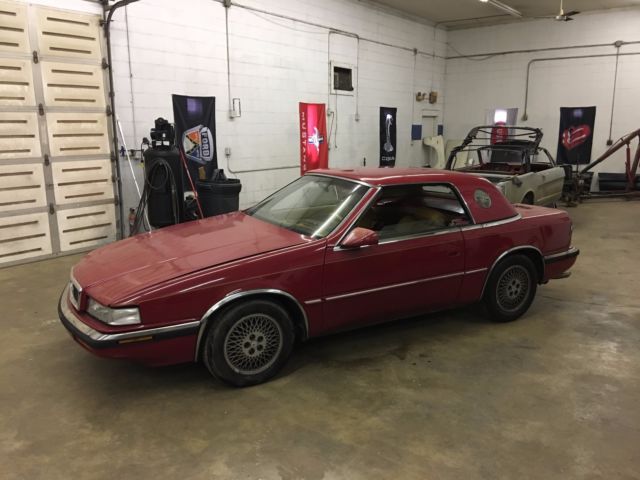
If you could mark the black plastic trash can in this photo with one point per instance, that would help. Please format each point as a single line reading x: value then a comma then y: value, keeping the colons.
x: 218, y: 197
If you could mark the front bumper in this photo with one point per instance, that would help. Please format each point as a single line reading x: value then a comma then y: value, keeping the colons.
x: 159, y: 346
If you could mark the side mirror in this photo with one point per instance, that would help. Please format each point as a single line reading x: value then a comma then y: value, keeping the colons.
x: 360, y: 237
x: 516, y: 181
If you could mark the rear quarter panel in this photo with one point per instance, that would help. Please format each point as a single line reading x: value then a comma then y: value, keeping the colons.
x: 547, y: 230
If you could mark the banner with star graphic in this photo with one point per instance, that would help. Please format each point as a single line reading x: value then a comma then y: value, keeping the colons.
x: 576, y: 134
x: 314, y: 152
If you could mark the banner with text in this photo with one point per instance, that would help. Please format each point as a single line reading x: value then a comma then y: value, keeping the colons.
x: 314, y: 151
x: 576, y: 134
x: 195, y: 119
x: 388, y: 136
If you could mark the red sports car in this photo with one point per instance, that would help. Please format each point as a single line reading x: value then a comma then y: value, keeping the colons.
x: 334, y: 250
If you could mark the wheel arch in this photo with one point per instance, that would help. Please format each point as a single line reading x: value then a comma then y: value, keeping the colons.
x: 530, y: 251
x: 531, y: 194
x: 284, y: 299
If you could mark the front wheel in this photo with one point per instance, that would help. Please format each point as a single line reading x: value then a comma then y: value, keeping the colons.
x: 511, y: 288
x: 249, y: 343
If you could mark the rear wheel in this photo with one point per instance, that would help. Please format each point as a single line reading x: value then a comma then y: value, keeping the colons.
x: 249, y: 343
x: 511, y: 288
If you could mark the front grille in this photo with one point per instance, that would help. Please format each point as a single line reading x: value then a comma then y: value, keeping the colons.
x: 74, y: 295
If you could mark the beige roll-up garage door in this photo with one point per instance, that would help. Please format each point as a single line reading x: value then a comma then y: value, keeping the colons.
x: 56, y: 179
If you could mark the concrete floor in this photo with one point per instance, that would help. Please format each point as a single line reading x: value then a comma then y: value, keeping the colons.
x: 448, y: 396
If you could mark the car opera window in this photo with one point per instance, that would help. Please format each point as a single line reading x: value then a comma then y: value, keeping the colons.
x: 412, y: 210
x: 313, y: 205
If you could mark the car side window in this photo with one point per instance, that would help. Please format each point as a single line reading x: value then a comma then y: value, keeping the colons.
x: 409, y: 210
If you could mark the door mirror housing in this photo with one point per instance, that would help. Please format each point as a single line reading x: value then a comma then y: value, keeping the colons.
x: 360, y: 237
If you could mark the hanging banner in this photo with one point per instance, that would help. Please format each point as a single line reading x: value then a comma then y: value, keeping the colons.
x: 314, y: 151
x: 195, y: 119
x: 388, y: 136
x: 499, y: 133
x: 576, y: 134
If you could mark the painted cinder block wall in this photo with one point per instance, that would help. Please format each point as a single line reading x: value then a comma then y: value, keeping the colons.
x: 474, y: 86
x: 179, y: 47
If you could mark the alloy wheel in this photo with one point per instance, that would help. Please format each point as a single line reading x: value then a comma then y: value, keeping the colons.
x: 253, y: 344
x: 513, y: 288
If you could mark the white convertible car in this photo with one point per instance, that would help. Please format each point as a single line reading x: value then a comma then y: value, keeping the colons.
x: 511, y: 158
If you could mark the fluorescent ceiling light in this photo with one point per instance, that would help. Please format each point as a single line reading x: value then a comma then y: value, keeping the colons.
x: 505, y: 8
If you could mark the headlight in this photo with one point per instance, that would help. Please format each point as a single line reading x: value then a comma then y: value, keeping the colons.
x: 113, y: 316
x: 502, y: 187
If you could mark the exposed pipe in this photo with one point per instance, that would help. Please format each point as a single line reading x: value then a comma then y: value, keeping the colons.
x: 235, y: 172
x: 550, y: 59
x: 537, y: 50
x: 114, y: 128
x: 226, y: 5
x: 133, y: 104
x: 326, y: 27
x: 613, y: 94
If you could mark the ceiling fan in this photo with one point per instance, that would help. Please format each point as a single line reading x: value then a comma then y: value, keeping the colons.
x: 562, y: 16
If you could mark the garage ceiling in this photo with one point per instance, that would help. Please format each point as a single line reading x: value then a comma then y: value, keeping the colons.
x: 468, y: 13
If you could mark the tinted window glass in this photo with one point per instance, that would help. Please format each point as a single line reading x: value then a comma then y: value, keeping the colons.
x: 312, y: 205
x: 412, y: 210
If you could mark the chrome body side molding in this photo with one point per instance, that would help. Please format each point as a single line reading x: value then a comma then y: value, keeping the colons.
x: 556, y: 257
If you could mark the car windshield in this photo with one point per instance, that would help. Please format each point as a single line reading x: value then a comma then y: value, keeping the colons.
x: 313, y: 205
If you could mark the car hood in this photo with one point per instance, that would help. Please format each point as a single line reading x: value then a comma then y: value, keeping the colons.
x: 116, y: 271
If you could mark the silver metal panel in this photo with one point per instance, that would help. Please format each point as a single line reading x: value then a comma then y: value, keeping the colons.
x: 14, y: 37
x: 86, y: 226
x: 75, y: 182
x: 19, y: 137
x: 21, y: 187
x: 65, y: 34
x: 16, y: 83
x: 24, y: 236
x: 77, y: 134
x: 72, y: 85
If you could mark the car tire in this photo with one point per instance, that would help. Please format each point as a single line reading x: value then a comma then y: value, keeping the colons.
x: 249, y: 342
x: 511, y: 288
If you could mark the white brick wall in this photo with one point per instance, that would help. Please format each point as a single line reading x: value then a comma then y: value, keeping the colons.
x: 476, y: 86
x: 179, y: 47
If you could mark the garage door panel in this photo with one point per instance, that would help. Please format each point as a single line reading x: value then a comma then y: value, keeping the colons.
x: 77, y: 134
x: 19, y: 137
x: 16, y: 83
x: 82, y: 181
x: 86, y: 226
x: 14, y: 37
x: 24, y: 236
x: 67, y: 34
x: 22, y: 186
x: 68, y: 80
x: 73, y: 85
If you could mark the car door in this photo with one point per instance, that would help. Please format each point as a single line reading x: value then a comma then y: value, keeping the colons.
x: 417, y: 265
x: 551, y: 178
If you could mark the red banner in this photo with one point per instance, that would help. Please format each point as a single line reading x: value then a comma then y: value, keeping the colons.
x: 313, y: 134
